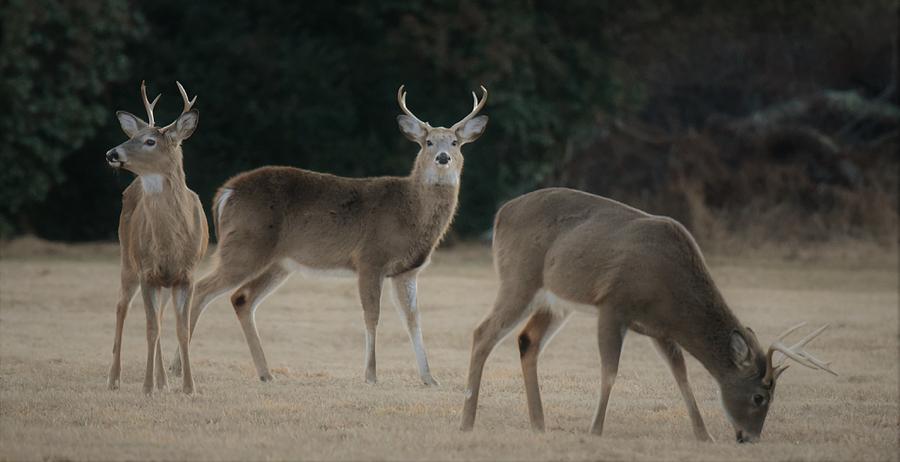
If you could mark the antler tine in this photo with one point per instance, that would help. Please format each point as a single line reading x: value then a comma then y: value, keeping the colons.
x: 147, y: 104
x: 781, y: 336
x: 810, y: 337
x: 791, y: 330
x: 795, y: 352
x: 188, y: 103
x: 477, y: 106
x: 795, y: 355
x: 401, y: 99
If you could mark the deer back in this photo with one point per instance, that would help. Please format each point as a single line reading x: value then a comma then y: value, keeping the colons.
x: 325, y: 221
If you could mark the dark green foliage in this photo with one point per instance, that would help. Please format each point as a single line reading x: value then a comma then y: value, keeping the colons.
x: 313, y: 84
x: 57, y: 60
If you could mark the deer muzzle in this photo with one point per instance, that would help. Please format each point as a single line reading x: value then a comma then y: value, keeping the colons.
x: 115, y: 158
x: 744, y: 437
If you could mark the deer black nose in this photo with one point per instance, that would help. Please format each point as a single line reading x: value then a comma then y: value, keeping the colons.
x: 443, y: 158
x: 112, y: 155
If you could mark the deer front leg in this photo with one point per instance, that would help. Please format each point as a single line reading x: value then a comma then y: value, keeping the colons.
x: 370, y: 297
x: 671, y: 353
x: 610, y: 336
x: 181, y: 300
x: 129, y: 288
x: 151, y: 307
x: 162, y: 380
x: 405, y: 300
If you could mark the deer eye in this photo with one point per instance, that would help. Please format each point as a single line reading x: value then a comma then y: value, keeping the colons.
x: 454, y: 143
x: 150, y: 142
x: 759, y: 400
x: 429, y: 143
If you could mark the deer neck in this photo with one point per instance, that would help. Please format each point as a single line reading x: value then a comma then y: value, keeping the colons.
x: 164, y: 188
x: 708, y: 339
x: 436, y: 198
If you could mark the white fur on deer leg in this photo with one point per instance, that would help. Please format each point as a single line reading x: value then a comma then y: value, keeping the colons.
x: 181, y: 301
x: 370, y: 353
x: 404, y: 295
x: 152, y: 184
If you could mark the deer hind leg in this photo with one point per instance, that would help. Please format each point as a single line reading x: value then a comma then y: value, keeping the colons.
x: 512, y: 305
x: 671, y: 353
x: 126, y: 294
x: 245, y: 301
x: 537, y: 333
x: 162, y: 381
x: 212, y: 286
x: 610, y: 336
x: 151, y: 307
x: 407, y: 307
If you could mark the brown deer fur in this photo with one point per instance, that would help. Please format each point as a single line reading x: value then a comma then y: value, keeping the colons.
x: 162, y: 233
x: 559, y: 250
x: 275, y: 220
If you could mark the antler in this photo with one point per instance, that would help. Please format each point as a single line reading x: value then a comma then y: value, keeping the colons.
x: 147, y: 104
x: 476, y: 107
x: 188, y: 104
x: 795, y: 352
x: 401, y: 99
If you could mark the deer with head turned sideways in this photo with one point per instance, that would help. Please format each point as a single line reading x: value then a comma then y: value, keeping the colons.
x: 162, y: 232
x: 558, y: 250
x: 274, y: 221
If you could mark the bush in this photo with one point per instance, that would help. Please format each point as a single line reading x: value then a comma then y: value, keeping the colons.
x: 57, y: 60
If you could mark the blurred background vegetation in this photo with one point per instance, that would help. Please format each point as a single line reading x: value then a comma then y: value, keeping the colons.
x: 761, y: 120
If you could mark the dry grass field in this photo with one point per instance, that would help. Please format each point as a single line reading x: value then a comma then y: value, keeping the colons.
x: 57, y: 316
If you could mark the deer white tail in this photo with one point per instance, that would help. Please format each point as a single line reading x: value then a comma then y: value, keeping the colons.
x: 219, y: 206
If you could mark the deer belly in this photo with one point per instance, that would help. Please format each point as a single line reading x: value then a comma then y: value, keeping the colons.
x: 546, y: 298
x: 310, y: 271
x: 161, y: 276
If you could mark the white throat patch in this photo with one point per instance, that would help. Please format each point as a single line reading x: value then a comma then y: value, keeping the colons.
x: 450, y: 177
x: 152, y: 184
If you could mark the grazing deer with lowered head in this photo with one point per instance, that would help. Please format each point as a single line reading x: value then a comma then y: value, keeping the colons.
x: 560, y: 250
x: 273, y: 221
x: 162, y: 232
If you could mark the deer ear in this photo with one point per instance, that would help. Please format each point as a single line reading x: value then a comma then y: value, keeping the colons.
x: 740, y: 350
x: 185, y: 125
x: 472, y: 129
x: 130, y: 123
x: 411, y: 128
